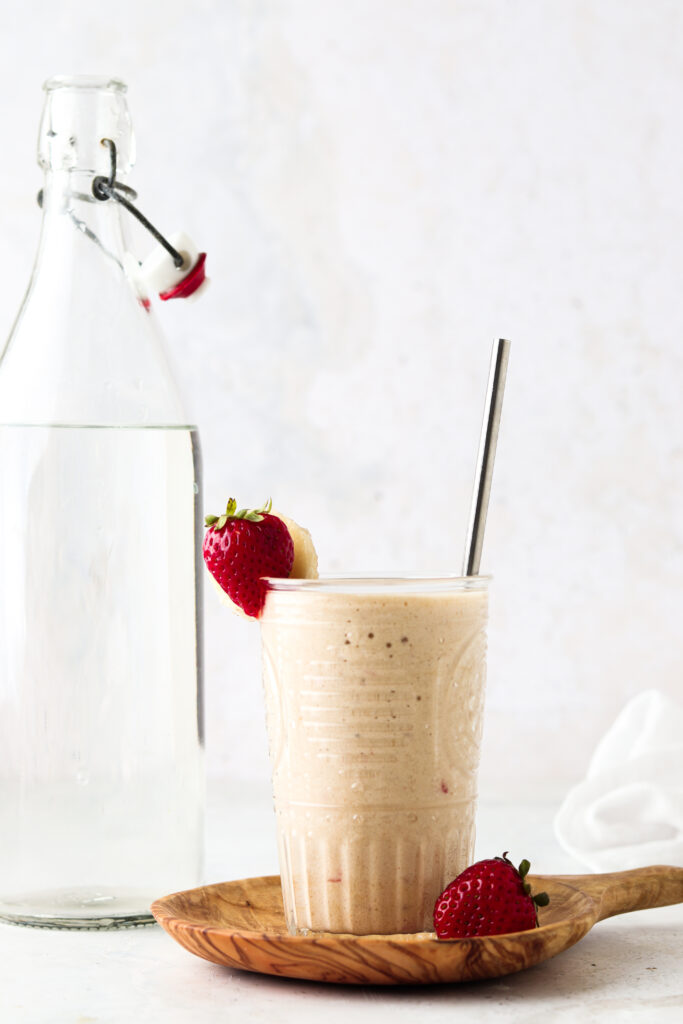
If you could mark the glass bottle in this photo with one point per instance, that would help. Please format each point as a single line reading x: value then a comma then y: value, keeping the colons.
x: 101, y: 746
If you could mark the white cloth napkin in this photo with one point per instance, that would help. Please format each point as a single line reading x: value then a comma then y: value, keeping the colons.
x: 628, y: 811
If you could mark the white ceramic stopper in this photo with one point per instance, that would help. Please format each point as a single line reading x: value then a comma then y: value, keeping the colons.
x: 159, y: 272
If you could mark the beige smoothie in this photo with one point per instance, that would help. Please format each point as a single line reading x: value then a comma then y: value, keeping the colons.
x: 374, y: 697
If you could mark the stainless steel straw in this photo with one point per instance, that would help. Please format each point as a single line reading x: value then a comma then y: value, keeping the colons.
x: 486, y: 456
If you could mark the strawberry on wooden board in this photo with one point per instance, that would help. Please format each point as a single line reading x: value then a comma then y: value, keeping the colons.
x: 491, y: 897
x: 241, y: 547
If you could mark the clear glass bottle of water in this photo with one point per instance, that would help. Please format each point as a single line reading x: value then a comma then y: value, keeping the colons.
x: 101, y: 766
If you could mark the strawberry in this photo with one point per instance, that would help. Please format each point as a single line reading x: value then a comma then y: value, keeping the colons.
x: 489, y: 898
x: 240, y: 548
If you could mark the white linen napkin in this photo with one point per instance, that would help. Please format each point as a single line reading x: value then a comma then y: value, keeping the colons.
x: 628, y: 811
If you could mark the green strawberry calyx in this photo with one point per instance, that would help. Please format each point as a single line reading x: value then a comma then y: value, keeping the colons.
x: 252, y: 515
x: 540, y: 899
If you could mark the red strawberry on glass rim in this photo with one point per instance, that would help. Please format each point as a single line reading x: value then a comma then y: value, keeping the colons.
x: 491, y: 897
x: 241, y: 547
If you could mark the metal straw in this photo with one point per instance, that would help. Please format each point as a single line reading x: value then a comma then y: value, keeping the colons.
x: 486, y: 456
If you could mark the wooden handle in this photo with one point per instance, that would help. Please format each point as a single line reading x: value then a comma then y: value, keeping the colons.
x: 620, y: 892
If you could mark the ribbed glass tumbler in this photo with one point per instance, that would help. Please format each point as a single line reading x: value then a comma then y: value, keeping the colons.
x: 374, y: 698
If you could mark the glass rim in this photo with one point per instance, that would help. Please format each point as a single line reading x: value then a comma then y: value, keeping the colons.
x: 386, y: 582
x: 103, y: 82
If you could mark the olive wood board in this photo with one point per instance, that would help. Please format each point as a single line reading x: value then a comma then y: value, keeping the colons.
x: 241, y: 924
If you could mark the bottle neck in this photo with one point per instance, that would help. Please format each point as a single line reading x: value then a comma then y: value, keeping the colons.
x: 79, y: 113
x: 72, y: 214
x: 83, y: 349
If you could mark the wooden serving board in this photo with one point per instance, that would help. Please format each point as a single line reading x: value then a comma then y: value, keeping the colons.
x: 241, y: 924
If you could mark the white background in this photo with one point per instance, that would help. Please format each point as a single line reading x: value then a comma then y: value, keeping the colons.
x: 382, y: 187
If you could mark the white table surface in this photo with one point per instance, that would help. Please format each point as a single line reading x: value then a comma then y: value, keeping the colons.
x: 626, y: 969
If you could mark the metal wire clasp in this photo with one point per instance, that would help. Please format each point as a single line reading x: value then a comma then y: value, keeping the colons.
x: 104, y: 188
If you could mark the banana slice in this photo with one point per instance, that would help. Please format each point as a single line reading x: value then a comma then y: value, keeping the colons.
x: 305, y: 565
x: 225, y: 600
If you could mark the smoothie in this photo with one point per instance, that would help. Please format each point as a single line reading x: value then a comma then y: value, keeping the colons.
x: 374, y: 697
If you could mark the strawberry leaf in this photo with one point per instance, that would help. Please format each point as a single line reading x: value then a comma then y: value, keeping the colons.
x: 252, y: 515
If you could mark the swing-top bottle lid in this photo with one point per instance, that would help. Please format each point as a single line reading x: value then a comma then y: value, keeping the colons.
x: 86, y: 128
